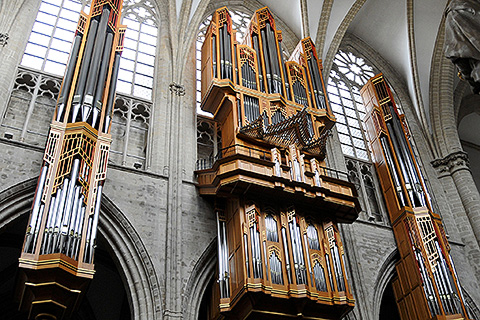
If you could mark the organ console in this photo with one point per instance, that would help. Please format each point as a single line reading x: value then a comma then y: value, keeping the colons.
x: 56, y: 262
x: 427, y: 285
x: 277, y: 206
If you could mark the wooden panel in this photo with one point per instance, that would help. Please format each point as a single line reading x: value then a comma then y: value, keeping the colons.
x: 412, y: 271
x: 422, y: 309
x: 206, y: 63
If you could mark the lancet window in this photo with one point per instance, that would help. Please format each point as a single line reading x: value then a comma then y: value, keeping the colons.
x: 349, y: 73
x: 54, y: 29
x: 37, y: 82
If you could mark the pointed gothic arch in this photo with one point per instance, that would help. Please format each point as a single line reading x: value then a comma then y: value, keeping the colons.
x: 130, y: 255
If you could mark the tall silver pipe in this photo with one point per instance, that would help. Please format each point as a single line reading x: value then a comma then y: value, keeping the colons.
x: 225, y: 250
x: 97, y: 101
x: 111, y: 92
x: 67, y: 80
x: 35, y: 209
x: 37, y: 227
x: 308, y: 259
x: 93, y: 234
x: 70, y: 196
x: 95, y: 64
x: 48, y: 224
x: 87, y: 241
x: 87, y: 56
x: 78, y: 233
x: 265, y: 259
x: 60, y: 213
x: 221, y: 271
x: 71, y: 224
x: 287, y: 255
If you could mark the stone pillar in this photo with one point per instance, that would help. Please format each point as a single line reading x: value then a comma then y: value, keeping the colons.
x: 455, y: 167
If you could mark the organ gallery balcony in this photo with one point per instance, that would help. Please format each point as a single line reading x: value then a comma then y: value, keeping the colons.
x: 277, y: 206
x: 244, y: 170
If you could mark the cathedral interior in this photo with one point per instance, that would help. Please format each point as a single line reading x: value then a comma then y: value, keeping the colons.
x: 239, y: 159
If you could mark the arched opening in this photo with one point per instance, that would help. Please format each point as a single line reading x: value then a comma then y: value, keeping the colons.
x: 388, y: 306
x: 124, y: 274
x: 106, y: 297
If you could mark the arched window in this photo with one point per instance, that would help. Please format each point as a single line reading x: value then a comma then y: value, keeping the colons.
x: 135, y: 76
x: 49, y: 44
x: 51, y: 38
x: 348, y: 75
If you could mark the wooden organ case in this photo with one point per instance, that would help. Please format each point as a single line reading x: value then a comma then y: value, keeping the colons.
x: 277, y: 205
x: 56, y: 263
x: 426, y: 286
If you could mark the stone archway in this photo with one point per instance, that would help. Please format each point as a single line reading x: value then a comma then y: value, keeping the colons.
x: 385, y: 275
x: 128, y: 254
x: 199, y: 281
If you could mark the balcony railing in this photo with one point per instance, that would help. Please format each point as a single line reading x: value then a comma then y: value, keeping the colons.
x: 237, y: 149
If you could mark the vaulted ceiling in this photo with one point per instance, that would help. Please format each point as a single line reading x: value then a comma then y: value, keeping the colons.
x: 402, y: 32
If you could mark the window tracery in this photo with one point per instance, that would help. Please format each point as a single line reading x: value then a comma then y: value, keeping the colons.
x: 348, y: 75
x: 54, y: 29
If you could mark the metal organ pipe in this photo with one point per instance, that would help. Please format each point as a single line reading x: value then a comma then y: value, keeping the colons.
x: 87, y: 56
x: 428, y: 287
x: 36, y: 209
x: 78, y: 230
x: 111, y: 92
x: 287, y: 255
x: 214, y: 55
x: 415, y: 179
x: 256, y: 47
x: 67, y: 79
x: 308, y: 258
x: 71, y: 225
x: 284, y: 68
x: 266, y: 59
x: 245, y: 241
x: 59, y: 214
x: 95, y: 64
x: 393, y: 170
x: 221, y: 267
x: 273, y: 53
x: 97, y: 101
x: 47, y: 230
x: 93, y: 234
x: 265, y: 258
x: 225, y: 257
x: 68, y: 209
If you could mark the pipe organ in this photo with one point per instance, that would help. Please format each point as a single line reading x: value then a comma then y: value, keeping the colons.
x: 427, y: 285
x: 56, y: 263
x: 277, y: 206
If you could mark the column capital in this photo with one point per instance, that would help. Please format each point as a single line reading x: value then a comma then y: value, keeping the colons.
x: 451, y: 163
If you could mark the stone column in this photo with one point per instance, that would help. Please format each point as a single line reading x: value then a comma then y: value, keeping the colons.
x: 456, y: 168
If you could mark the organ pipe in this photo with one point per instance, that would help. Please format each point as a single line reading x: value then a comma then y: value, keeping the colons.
x: 65, y: 213
x: 411, y: 213
x: 273, y: 113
